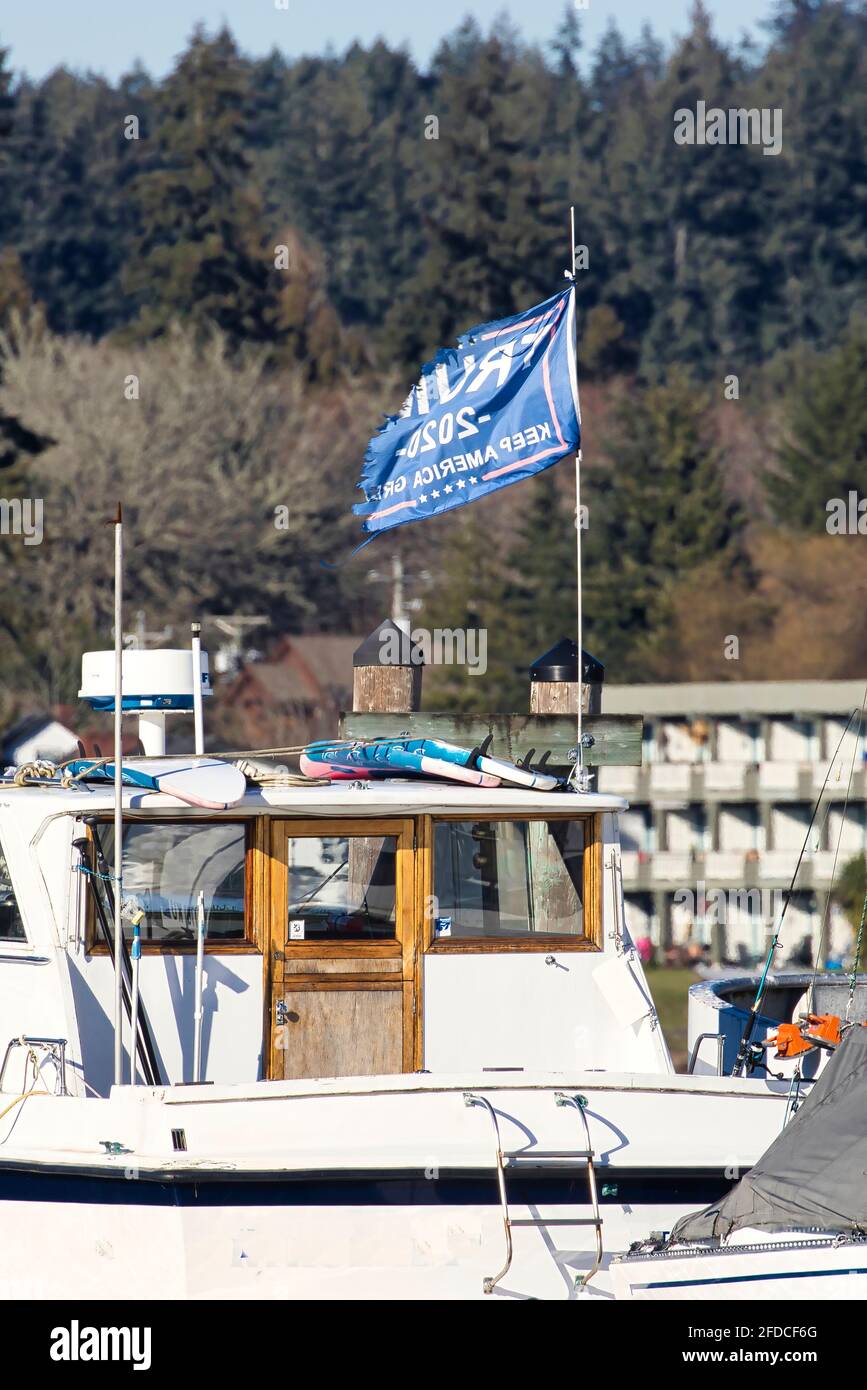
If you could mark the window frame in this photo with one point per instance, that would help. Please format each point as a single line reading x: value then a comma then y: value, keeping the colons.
x: 15, y: 945
x: 590, y: 940
x: 249, y: 944
x: 299, y: 827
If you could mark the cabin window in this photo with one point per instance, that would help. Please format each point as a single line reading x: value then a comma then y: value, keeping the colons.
x: 166, y: 865
x: 513, y: 882
x: 11, y: 925
x: 341, y: 887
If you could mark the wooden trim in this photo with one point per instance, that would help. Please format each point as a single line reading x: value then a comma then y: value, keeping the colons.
x: 423, y: 890
x: 316, y: 826
x: 320, y: 966
x: 322, y: 984
x: 313, y: 979
x: 487, y: 945
x: 515, y: 815
x: 340, y: 950
x: 253, y: 925
x: 592, y: 936
x: 593, y: 881
x: 262, y: 924
x: 403, y: 949
x: 410, y: 1014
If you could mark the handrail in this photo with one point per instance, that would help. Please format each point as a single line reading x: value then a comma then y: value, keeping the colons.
x: 56, y: 1050
x: 693, y: 1056
x: 489, y: 1283
x: 579, y: 1103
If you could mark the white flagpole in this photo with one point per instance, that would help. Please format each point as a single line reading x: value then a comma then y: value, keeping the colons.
x: 200, y: 971
x: 198, y: 715
x: 118, y: 797
x: 580, y: 752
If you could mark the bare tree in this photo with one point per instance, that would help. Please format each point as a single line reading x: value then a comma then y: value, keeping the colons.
x: 236, y: 482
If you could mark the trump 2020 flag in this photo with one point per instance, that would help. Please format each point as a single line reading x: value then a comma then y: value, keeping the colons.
x: 498, y: 408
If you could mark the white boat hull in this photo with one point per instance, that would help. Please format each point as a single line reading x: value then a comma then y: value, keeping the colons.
x: 359, y: 1188
x: 768, y: 1270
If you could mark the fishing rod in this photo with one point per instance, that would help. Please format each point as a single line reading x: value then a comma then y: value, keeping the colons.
x: 745, y: 1057
x: 143, y: 1039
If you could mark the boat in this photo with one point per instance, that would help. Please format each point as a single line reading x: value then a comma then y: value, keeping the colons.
x: 793, y: 1227
x: 391, y: 1038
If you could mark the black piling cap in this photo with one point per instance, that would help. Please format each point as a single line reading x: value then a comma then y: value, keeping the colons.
x: 384, y: 644
x: 561, y: 664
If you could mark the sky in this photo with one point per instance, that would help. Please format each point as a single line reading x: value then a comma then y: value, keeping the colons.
x: 107, y: 36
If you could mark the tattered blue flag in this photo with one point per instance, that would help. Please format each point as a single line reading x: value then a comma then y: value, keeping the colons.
x: 498, y: 408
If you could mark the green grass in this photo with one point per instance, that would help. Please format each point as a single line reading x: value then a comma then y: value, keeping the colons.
x: 670, y: 990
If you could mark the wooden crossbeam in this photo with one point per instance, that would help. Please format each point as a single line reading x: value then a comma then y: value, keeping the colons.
x: 616, y: 737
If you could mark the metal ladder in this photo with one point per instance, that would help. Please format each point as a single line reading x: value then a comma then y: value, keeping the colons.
x: 553, y: 1158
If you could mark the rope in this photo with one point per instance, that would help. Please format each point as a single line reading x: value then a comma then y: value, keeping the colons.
x: 106, y: 878
x: 744, y: 1052
x: 858, y: 941
x: 35, y: 773
x: 827, y: 912
x: 33, y: 1060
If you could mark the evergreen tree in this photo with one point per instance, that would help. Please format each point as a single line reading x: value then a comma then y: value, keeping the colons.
x: 68, y: 216
x: 351, y: 128
x: 201, y: 257
x: 470, y: 597
x: 481, y: 185
x: 698, y: 205
x: 539, y: 597
x: 657, y: 512
x: 7, y: 172
x: 850, y: 892
x: 824, y: 452
x: 814, y: 248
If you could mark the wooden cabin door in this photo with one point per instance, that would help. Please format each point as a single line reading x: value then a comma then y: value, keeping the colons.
x: 343, y: 948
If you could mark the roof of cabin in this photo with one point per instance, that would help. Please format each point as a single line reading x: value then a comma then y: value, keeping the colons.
x: 381, y: 798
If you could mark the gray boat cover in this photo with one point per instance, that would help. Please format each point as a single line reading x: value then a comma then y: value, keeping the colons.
x: 815, y: 1173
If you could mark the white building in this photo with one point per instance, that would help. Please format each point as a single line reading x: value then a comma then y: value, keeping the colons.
x: 37, y: 736
x: 720, y: 807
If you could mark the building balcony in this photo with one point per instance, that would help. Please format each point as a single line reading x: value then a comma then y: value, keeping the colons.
x: 823, y: 866
x: 631, y: 865
x: 664, y: 869
x: 777, y: 865
x: 724, y: 866
x: 780, y: 777
x: 671, y: 779
x: 726, y: 777
x: 619, y: 781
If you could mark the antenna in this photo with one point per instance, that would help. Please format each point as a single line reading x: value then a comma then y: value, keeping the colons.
x: 578, y: 775
x: 118, y: 796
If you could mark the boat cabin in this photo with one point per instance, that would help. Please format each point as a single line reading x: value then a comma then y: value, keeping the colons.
x: 351, y: 929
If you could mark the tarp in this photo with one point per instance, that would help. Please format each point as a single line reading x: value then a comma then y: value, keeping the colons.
x: 498, y: 408
x: 815, y: 1173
